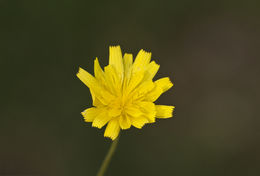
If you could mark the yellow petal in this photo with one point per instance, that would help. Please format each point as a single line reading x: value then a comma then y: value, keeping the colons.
x: 133, y: 111
x: 164, y: 83
x: 95, y: 101
x: 112, y: 129
x: 161, y: 86
x: 151, y: 71
x: 124, y: 122
x: 89, y: 114
x: 135, y: 80
x: 146, y: 87
x: 114, y: 112
x: 148, y: 109
x: 116, y: 60
x: 164, y: 111
x: 154, y: 94
x: 113, y: 79
x: 102, y: 94
x: 86, y: 78
x: 139, y: 122
x: 99, y: 74
x: 142, y: 59
x: 128, y: 62
x: 101, y: 119
x: 143, y: 89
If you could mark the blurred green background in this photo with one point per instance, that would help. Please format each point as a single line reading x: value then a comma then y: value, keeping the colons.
x: 210, y: 49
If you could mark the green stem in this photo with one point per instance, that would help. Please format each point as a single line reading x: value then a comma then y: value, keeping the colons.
x: 108, y: 157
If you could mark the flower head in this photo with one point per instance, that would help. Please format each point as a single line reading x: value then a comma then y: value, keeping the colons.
x: 124, y: 92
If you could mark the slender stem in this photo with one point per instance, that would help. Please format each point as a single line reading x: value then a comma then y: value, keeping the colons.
x: 108, y: 157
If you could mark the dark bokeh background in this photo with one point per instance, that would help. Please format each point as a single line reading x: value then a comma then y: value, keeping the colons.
x: 210, y: 49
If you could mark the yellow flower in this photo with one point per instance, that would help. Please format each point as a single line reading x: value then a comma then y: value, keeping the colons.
x: 124, y: 93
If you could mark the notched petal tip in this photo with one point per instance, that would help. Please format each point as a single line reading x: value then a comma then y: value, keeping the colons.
x: 128, y: 56
x: 96, y: 125
x: 144, y: 51
x: 80, y: 70
x: 140, y: 126
x: 89, y: 114
x: 114, y: 46
x: 170, y: 81
x: 110, y: 137
x: 87, y: 78
x: 164, y: 83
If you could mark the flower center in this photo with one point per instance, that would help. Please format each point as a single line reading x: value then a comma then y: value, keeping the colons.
x: 119, y: 106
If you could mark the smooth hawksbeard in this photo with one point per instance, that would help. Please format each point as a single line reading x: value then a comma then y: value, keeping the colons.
x: 124, y: 92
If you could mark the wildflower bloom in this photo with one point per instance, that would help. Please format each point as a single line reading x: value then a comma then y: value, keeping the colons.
x: 124, y: 93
